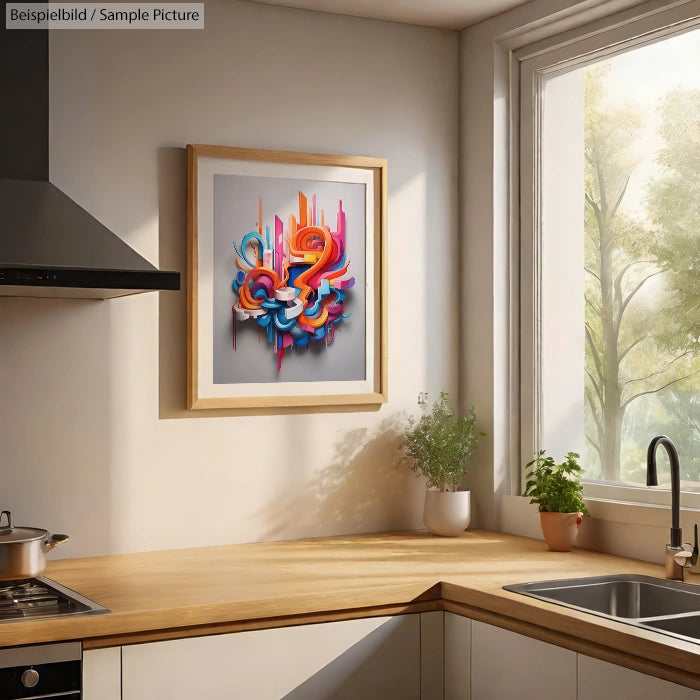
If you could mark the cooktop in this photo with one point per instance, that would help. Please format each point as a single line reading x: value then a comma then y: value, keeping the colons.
x: 41, y: 597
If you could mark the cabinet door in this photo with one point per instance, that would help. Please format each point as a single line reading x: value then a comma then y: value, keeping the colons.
x: 102, y: 674
x: 367, y: 658
x: 458, y: 633
x: 509, y: 665
x: 600, y: 680
x: 432, y: 655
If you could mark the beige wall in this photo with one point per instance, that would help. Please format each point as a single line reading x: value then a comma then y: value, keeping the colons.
x: 94, y: 436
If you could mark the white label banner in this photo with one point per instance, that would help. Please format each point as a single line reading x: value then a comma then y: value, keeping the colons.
x: 79, y: 15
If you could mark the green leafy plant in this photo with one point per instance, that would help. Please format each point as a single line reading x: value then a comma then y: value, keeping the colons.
x: 555, y: 488
x: 439, y: 444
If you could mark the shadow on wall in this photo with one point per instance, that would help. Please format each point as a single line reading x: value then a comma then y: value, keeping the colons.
x: 361, y: 490
x: 384, y: 664
x: 172, y: 255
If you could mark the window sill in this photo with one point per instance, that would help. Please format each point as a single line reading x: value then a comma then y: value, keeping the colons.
x: 649, y: 514
x: 635, y: 530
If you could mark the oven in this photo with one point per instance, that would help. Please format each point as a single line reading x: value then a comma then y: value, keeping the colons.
x: 41, y: 671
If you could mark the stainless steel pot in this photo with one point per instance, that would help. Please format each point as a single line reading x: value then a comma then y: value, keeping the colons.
x: 22, y: 549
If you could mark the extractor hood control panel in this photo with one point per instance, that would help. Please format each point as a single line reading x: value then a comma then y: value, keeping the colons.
x: 18, y: 276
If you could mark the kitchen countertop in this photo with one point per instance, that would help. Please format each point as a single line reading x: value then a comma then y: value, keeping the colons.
x: 189, y: 592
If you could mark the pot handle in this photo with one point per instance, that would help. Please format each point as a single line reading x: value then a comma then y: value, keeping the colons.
x: 54, y: 541
x: 9, y: 518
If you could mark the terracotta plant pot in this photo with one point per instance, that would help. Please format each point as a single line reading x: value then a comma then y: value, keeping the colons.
x: 447, y: 513
x: 560, y: 529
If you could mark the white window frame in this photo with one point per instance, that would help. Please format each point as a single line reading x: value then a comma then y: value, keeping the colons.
x: 529, y: 66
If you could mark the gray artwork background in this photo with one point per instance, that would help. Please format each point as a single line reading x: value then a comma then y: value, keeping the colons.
x: 235, y: 214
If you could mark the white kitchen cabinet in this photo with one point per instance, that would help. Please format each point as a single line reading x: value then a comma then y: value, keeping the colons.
x: 432, y: 655
x: 600, y: 680
x: 427, y: 656
x: 509, y: 665
x: 458, y: 633
x: 102, y: 669
x: 366, y: 658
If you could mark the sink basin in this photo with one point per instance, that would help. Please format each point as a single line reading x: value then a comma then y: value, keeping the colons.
x: 688, y: 626
x: 670, y: 607
x: 622, y: 595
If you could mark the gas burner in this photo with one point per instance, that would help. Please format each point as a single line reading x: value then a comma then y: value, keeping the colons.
x: 41, y: 597
x: 21, y: 587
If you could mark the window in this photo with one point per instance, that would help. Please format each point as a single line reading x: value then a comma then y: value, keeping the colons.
x: 610, y: 251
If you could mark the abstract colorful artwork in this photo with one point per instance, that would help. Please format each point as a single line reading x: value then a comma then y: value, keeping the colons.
x: 286, y: 279
x: 292, y: 280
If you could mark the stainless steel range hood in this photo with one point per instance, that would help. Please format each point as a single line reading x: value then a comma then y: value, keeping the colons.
x: 49, y: 245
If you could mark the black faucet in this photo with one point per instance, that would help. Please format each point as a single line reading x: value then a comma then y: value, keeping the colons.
x: 677, y: 558
x: 652, y: 480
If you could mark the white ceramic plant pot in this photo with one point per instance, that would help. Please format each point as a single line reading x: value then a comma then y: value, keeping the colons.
x: 447, y: 513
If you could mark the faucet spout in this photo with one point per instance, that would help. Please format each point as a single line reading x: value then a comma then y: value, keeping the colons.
x: 652, y: 480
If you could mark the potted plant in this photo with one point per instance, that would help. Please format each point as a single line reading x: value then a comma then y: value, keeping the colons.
x: 438, y: 446
x: 557, y: 491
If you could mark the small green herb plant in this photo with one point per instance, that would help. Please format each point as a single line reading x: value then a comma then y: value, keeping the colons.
x: 439, y: 444
x: 555, y: 488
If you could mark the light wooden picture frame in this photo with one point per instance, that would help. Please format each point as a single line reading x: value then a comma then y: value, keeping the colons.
x: 287, y: 279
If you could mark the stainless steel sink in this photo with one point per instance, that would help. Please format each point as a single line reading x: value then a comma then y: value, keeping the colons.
x: 687, y: 626
x: 670, y: 607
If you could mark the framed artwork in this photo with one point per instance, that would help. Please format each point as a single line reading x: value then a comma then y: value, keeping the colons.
x: 287, y: 279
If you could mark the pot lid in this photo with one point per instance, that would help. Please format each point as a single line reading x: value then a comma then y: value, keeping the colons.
x: 9, y: 534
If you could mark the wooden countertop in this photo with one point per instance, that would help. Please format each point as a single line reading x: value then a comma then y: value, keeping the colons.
x: 180, y: 593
